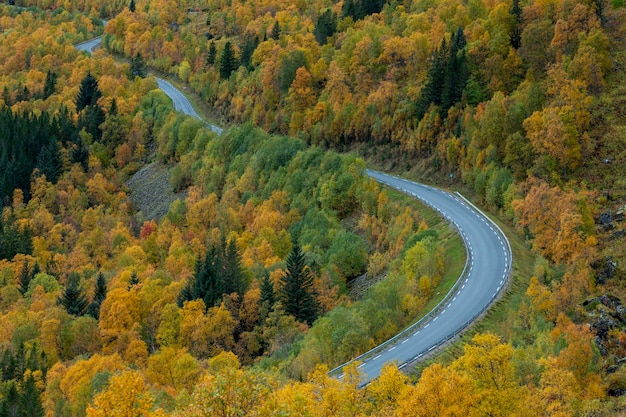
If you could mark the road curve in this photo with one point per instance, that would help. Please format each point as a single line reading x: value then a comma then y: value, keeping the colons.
x: 487, y: 270
x: 181, y: 103
x: 90, y: 45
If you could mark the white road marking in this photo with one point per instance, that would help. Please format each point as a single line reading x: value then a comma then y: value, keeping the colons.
x: 391, y: 348
x: 377, y: 357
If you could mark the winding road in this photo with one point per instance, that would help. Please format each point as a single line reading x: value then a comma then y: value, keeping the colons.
x: 486, y: 271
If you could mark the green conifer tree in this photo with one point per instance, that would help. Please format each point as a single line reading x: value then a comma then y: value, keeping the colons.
x: 212, y: 54
x: 89, y: 92
x: 30, y: 400
x: 73, y: 299
x: 228, y: 61
x: 134, y: 280
x: 137, y: 67
x: 24, y: 278
x: 99, y: 295
x: 275, y: 34
x: 297, y: 288
x: 10, y: 402
x: 50, y: 84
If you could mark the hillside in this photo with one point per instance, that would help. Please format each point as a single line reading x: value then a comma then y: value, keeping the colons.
x: 517, y: 103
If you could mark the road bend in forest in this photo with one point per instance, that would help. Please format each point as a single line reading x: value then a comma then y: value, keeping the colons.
x: 486, y: 272
x: 487, y: 269
x: 181, y: 103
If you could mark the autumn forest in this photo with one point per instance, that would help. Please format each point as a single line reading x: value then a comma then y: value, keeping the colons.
x: 150, y: 266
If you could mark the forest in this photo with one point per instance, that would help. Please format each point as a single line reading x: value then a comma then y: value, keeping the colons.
x: 240, y: 298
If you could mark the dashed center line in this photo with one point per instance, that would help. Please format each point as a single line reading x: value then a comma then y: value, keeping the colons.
x: 377, y: 357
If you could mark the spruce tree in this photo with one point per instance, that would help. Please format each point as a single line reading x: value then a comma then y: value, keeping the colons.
x: 11, y: 402
x: 113, y: 107
x: 24, y: 278
x: 228, y: 61
x: 516, y: 29
x: 212, y: 54
x: 91, y: 120
x: 49, y: 85
x: 49, y: 161
x: 137, y: 67
x: 325, y: 26
x: 89, y: 92
x: 132, y: 6
x: 268, y: 296
x: 80, y: 154
x: 134, y: 280
x: 247, y: 50
x: 297, y: 288
x: 6, y: 97
x: 99, y: 295
x: 72, y: 298
x: 30, y: 400
x: 275, y: 34
x: 232, y: 272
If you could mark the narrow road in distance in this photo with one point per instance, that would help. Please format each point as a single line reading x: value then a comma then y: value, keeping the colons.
x: 181, y: 103
x: 487, y: 269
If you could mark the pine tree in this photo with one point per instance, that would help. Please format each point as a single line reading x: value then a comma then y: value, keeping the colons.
x: 268, y: 296
x: 134, y: 280
x: 99, y: 295
x: 325, y: 26
x: 113, y: 107
x: 137, y: 67
x: 49, y: 161
x: 24, y: 278
x: 247, y: 50
x: 275, y: 34
x: 80, y: 155
x: 49, y: 85
x: 232, y: 273
x: 297, y: 288
x: 212, y: 55
x: 6, y: 97
x: 91, y: 120
x: 516, y: 30
x: 10, y: 402
x: 72, y: 298
x: 186, y: 294
x: 228, y: 61
x: 89, y: 92
x: 209, y: 284
x: 132, y: 6
x: 30, y: 400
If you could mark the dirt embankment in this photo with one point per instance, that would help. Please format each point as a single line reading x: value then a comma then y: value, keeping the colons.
x: 151, y: 191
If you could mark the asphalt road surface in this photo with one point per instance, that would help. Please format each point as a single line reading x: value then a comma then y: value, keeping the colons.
x: 487, y: 269
x: 90, y: 45
x: 181, y: 103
